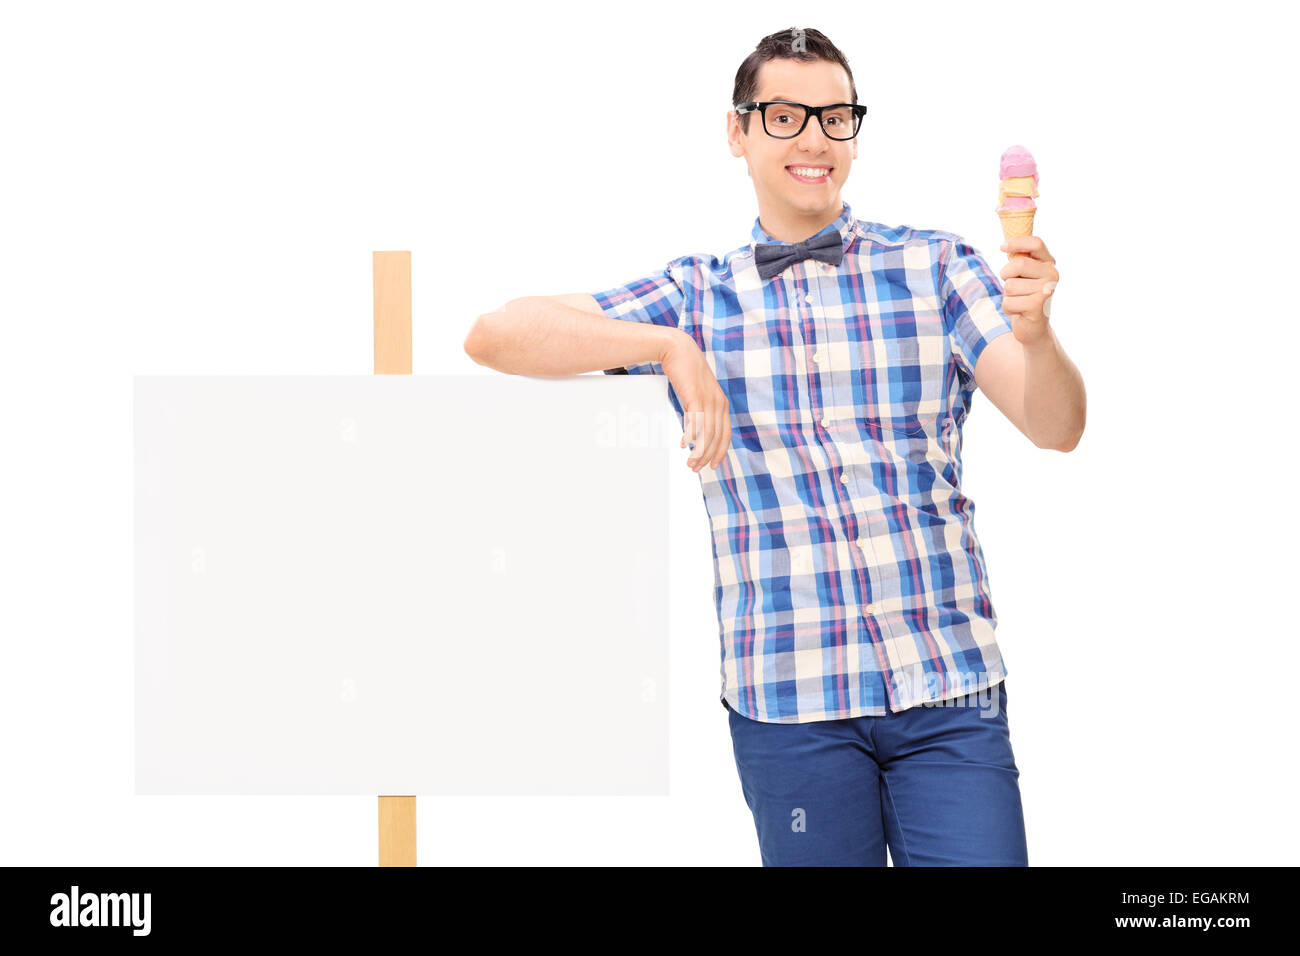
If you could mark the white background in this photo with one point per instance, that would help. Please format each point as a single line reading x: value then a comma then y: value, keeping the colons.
x: 197, y: 189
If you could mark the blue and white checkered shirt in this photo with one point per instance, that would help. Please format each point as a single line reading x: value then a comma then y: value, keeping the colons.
x: 848, y: 578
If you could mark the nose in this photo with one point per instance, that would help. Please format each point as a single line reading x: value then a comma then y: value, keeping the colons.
x: 813, y: 137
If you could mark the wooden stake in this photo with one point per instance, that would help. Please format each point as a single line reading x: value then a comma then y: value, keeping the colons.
x: 397, y: 831
x: 392, y: 282
x: 392, y: 313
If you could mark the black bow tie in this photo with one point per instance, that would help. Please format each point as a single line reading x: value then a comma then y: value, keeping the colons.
x: 773, y: 258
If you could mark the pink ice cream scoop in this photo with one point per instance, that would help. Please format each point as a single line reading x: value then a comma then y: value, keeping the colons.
x: 1017, y: 161
x: 1018, y: 179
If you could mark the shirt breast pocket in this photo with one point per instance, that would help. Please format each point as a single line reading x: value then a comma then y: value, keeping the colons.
x: 902, y: 373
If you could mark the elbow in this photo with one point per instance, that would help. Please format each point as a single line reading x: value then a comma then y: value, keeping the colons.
x: 478, y: 341
x: 1071, y: 444
x: 1080, y: 420
x: 1074, y: 444
x: 1056, y: 442
x: 1079, y: 429
x: 484, y: 338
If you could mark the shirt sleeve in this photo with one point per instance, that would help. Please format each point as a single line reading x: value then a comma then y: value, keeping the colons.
x: 972, y: 303
x: 655, y: 299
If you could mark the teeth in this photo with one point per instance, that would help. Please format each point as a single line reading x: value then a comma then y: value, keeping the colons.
x: 808, y: 173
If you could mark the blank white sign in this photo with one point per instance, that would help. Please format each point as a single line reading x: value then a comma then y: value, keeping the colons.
x: 401, y: 584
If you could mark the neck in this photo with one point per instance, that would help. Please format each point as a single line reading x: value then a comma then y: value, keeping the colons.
x: 785, y: 224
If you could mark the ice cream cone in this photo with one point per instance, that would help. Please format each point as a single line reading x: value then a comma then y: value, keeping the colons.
x: 1017, y: 188
x: 1015, y: 223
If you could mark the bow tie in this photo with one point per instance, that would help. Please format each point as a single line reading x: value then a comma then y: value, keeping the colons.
x: 773, y: 258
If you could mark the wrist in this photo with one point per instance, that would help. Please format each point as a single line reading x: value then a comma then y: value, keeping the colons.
x: 669, y: 340
x: 1042, y: 346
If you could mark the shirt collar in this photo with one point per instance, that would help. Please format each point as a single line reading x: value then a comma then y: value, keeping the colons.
x: 843, y: 224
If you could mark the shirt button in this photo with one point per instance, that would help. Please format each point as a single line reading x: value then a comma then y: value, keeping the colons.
x: 817, y: 356
x: 872, y: 608
x: 826, y: 422
x: 844, y: 479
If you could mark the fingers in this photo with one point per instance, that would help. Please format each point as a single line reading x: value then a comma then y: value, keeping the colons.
x: 1021, y: 304
x: 1013, y: 287
x: 710, y: 430
x: 705, y: 438
x: 1031, y: 246
x: 696, y: 427
x: 1027, y: 269
x: 721, y: 436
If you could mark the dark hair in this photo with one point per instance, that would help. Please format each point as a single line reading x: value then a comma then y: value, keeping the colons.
x: 796, y: 43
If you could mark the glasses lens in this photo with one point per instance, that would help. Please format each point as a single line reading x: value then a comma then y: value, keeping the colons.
x: 839, y: 123
x: 783, y: 121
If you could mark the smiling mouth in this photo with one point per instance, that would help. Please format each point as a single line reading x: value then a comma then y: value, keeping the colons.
x: 822, y: 173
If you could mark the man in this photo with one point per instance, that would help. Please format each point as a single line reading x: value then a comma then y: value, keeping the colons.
x: 823, y: 373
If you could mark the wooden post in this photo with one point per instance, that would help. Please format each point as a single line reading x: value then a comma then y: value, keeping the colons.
x: 397, y: 831
x: 392, y: 313
x: 392, y: 281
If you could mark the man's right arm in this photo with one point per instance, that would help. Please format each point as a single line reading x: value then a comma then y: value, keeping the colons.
x: 562, y: 335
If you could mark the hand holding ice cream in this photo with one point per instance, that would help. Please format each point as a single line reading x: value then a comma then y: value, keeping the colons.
x: 1030, y: 276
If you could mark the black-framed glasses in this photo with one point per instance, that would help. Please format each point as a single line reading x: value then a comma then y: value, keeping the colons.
x: 785, y: 120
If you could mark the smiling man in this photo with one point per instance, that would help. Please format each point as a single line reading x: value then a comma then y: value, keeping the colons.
x: 823, y: 372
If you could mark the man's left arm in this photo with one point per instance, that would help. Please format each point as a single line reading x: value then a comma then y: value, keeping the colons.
x: 1027, y: 375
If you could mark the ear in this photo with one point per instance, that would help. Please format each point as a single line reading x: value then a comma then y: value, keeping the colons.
x: 735, y: 136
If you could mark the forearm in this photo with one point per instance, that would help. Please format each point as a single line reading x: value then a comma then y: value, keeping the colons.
x: 536, y: 336
x: 1055, y: 402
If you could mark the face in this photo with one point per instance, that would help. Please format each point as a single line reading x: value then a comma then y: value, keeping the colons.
x: 792, y: 208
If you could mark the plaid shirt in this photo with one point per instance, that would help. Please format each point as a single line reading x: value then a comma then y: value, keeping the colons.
x: 847, y: 576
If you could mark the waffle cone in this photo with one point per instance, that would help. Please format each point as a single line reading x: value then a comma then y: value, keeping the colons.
x: 1016, y: 223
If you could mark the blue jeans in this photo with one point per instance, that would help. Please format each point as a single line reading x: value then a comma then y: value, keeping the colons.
x: 938, y: 783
